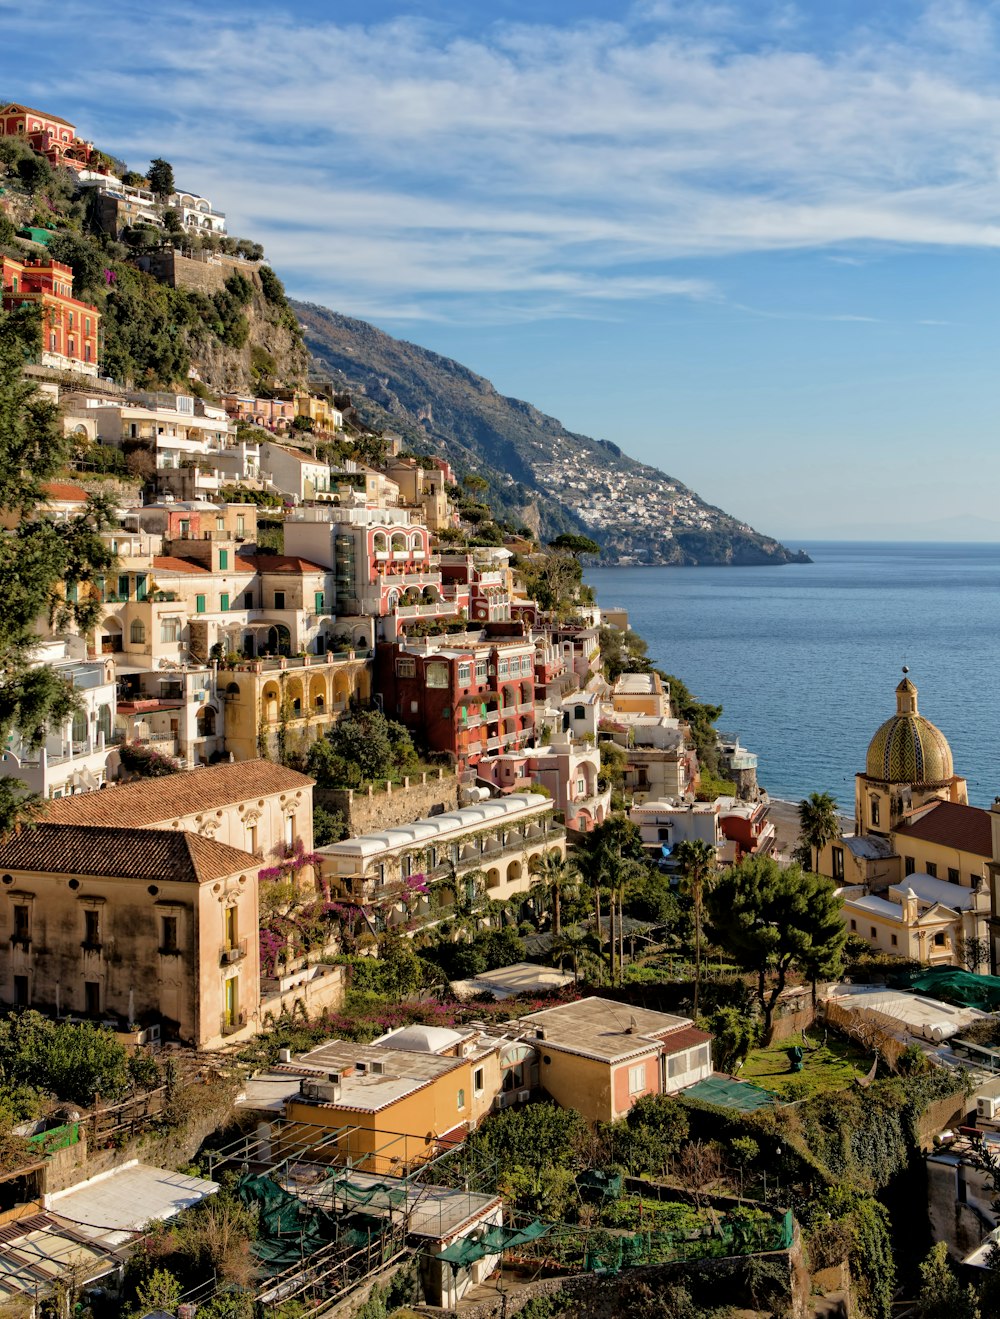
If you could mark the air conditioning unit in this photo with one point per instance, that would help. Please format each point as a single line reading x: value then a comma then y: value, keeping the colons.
x: 523, y: 1096
x: 151, y: 1035
x: 325, y: 1091
x: 986, y: 1106
x: 503, y: 1101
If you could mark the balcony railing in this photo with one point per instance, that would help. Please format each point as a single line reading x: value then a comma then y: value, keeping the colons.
x: 231, y: 1022
x: 234, y: 953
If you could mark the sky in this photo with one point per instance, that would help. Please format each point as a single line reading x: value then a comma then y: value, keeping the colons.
x: 754, y: 243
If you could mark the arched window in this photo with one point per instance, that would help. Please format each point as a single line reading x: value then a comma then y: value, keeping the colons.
x: 579, y: 712
x: 137, y: 633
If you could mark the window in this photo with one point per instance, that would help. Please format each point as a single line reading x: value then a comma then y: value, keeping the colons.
x: 220, y: 524
x: 895, y: 941
x: 479, y: 1080
x: 92, y: 929
x: 92, y: 997
x: 461, y: 1100
x: 241, y: 524
x: 185, y: 528
x: 677, y: 1064
x: 909, y: 865
x: 579, y: 712
x: 20, y: 991
x: 504, y: 668
x: 406, y: 668
x: 137, y: 633
x: 123, y: 586
x: 319, y: 602
x: 931, y: 868
x: 464, y: 674
x: 290, y: 830
x: 252, y: 831
x: 140, y: 586
x: 838, y: 863
x: 874, y: 807
x: 232, y: 927
x: 168, y: 934
x: 279, y: 599
x: 874, y: 933
x: 939, y: 940
x: 480, y: 670
x: 170, y: 629
x: 953, y: 876
x: 436, y: 675
x: 199, y: 604
x: 22, y: 922
x: 223, y: 560
x: 637, y: 1079
x: 854, y: 925
x: 224, y: 601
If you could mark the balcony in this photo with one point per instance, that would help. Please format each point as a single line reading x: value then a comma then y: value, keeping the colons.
x: 231, y: 1022
x: 233, y: 953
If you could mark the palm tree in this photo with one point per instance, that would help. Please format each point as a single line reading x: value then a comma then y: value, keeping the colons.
x: 552, y: 872
x: 819, y: 822
x: 696, y: 859
x: 573, y: 942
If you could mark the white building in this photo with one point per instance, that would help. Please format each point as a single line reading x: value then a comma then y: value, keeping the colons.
x: 293, y: 472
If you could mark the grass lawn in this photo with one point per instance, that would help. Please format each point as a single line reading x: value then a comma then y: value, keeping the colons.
x: 830, y: 1066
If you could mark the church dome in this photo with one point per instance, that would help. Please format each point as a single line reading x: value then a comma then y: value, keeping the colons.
x: 908, y: 748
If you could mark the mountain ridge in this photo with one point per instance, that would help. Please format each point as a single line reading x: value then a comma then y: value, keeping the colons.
x: 549, y: 477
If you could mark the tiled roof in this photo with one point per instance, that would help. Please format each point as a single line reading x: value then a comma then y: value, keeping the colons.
x: 64, y: 490
x: 685, y: 1038
x: 284, y: 563
x: 168, y: 854
x: 169, y: 563
x: 147, y: 802
x: 966, y: 828
x: 15, y: 108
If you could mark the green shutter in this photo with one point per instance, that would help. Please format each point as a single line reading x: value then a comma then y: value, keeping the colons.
x: 140, y: 586
x: 320, y: 602
x: 224, y: 601
x: 199, y: 604
x: 223, y: 560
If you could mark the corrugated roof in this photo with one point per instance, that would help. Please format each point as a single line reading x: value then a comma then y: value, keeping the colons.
x: 966, y: 828
x: 685, y: 1038
x: 147, y: 802
x: 172, y: 854
x: 65, y: 491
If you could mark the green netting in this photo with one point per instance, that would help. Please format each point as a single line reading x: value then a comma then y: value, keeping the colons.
x: 597, y: 1185
x: 365, y: 1193
x: 290, y: 1230
x: 726, y: 1092
x: 465, y: 1251
x: 952, y: 985
x: 460, y: 1254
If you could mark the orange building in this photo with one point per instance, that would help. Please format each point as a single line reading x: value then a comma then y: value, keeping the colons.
x: 50, y: 136
x: 70, y: 328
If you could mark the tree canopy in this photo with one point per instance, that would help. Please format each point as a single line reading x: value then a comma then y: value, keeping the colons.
x: 38, y: 557
x: 575, y: 544
x: 819, y: 823
x: 161, y: 178
x: 362, y: 747
x: 771, y: 920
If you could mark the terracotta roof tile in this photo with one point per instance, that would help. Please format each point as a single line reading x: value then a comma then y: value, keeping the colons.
x: 167, y: 854
x: 284, y: 563
x: 147, y: 802
x: 685, y: 1038
x: 169, y: 563
x: 966, y: 828
x: 16, y: 108
x: 66, y: 491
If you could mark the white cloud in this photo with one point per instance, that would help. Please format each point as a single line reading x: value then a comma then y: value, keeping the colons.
x: 563, y: 168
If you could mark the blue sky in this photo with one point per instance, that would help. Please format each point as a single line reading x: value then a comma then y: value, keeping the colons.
x: 754, y: 243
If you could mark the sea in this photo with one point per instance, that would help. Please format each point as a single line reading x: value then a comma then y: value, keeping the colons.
x: 804, y: 658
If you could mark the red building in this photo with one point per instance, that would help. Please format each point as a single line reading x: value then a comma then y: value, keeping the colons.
x: 469, y: 700
x: 746, y: 824
x: 50, y: 136
x: 70, y: 328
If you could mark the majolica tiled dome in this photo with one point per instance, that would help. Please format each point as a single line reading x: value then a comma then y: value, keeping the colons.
x: 908, y: 748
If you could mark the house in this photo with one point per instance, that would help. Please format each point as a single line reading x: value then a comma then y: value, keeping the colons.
x: 155, y: 926
x: 664, y: 824
x: 661, y: 763
x: 599, y: 1056
x: 469, y: 698
x: 197, y: 213
x: 924, y: 919
x: 418, y: 871
x: 255, y: 806
x: 641, y: 693
x: 294, y: 472
x: 70, y: 328
x: 569, y: 771
x: 51, y: 136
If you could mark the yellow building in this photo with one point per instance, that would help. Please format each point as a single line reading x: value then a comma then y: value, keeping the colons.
x: 293, y: 701
x: 641, y: 693
x: 148, y: 926
x: 599, y: 1056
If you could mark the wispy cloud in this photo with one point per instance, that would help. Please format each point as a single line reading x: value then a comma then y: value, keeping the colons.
x: 540, y: 169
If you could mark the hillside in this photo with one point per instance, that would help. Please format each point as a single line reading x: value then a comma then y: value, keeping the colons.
x: 550, y: 478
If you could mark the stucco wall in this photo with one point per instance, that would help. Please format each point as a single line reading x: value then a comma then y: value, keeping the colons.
x: 367, y: 812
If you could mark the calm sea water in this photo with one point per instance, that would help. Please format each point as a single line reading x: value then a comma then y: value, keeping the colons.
x: 804, y: 659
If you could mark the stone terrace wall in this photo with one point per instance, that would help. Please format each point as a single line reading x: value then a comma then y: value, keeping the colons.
x: 369, y: 812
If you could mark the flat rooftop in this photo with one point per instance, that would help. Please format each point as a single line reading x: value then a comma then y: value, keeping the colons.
x: 602, y: 1029
x: 508, y: 981
x: 402, y: 1073
x: 114, y: 1204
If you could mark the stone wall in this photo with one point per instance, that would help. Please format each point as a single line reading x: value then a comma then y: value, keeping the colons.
x: 366, y: 811
x: 183, y: 272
